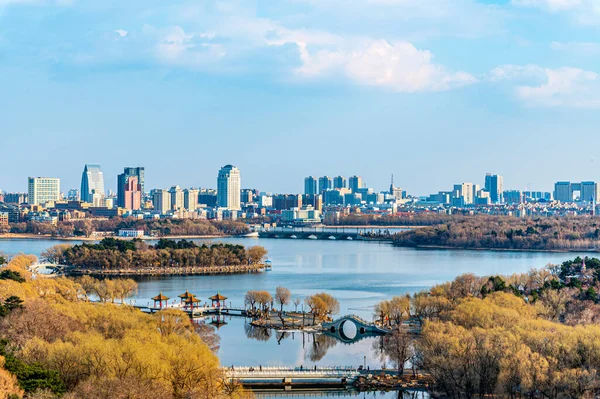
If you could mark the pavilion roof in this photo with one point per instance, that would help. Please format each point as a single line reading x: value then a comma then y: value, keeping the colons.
x: 217, y: 297
x: 186, y: 295
x: 160, y: 297
x: 191, y: 299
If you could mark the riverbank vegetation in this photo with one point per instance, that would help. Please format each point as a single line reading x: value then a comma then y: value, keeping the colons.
x: 54, y: 343
x: 532, y: 334
x: 509, y: 233
x: 157, y: 228
x: 137, y: 255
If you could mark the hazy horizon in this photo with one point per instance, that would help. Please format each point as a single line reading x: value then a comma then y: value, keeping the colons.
x: 436, y: 92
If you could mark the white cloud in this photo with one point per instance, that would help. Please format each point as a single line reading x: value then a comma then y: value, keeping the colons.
x: 577, y: 48
x: 121, y: 32
x: 399, y: 67
x: 585, y: 12
x: 545, y: 87
x: 177, y: 47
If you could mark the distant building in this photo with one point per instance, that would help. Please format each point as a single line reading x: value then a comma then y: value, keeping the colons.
x: 564, y: 191
x: 132, y: 194
x: 395, y: 192
x: 73, y: 195
x: 15, y: 198
x: 3, y: 218
x: 355, y: 183
x: 176, y: 198
x: 190, y: 199
x: 207, y: 197
x: 339, y: 182
x: 138, y: 172
x: 494, y: 185
x: 265, y: 201
x: 92, y: 181
x: 131, y: 232
x: 325, y: 183
x: 301, y: 215
x: 228, y: 188
x: 463, y: 194
x: 161, y: 201
x: 332, y: 197
x: 12, y: 211
x: 42, y: 190
x: 513, y: 197
x: 310, y: 185
x: 287, y: 201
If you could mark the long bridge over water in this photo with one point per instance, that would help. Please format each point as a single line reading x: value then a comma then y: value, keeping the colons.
x: 328, y: 233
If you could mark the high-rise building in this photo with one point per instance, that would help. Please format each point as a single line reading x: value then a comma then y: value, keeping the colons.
x: 339, y: 182
x: 310, y: 185
x: 563, y: 191
x: 589, y: 192
x: 355, y: 183
x: 176, y: 198
x: 133, y: 194
x: 494, y: 184
x: 228, y: 188
x: 465, y: 193
x: 325, y: 183
x: 122, y: 182
x: 190, y: 199
x: 162, y: 200
x: 42, y: 190
x: 92, y: 181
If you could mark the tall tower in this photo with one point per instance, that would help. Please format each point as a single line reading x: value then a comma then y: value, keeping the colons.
x: 355, y: 183
x: 310, y: 185
x: 92, y: 182
x: 396, y: 192
x: 228, y: 188
x: 122, y: 182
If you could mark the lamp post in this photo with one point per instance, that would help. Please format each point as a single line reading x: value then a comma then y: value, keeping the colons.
x: 302, y: 314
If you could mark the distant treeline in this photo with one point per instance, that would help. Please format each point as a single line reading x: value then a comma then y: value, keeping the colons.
x: 501, y: 232
x: 408, y: 219
x: 114, y: 254
x: 161, y: 227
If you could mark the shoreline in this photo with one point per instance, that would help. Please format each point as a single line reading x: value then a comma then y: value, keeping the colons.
x: 446, y: 247
x: 169, y: 271
x: 27, y: 236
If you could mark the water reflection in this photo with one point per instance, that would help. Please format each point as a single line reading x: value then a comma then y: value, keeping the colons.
x: 343, y: 394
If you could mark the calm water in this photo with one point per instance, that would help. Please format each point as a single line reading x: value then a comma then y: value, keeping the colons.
x: 358, y: 273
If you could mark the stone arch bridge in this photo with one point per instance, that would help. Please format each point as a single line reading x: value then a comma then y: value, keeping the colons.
x: 351, y: 328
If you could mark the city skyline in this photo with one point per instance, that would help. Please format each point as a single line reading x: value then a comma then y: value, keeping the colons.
x: 480, y: 181
x: 115, y: 83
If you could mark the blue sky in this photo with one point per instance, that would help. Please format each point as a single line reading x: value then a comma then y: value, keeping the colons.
x: 434, y: 91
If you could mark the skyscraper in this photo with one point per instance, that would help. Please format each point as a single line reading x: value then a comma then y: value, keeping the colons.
x: 176, y: 198
x: 133, y: 194
x: 42, y: 190
x: 494, y: 185
x: 92, y: 181
x: 355, y: 183
x: 190, y: 199
x: 162, y: 200
x: 339, y: 182
x: 325, y: 183
x: 310, y: 185
x: 122, y: 182
x: 228, y: 188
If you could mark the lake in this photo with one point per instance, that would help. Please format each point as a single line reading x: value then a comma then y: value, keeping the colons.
x: 358, y: 273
